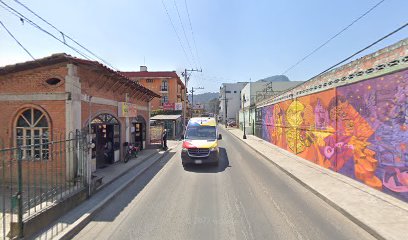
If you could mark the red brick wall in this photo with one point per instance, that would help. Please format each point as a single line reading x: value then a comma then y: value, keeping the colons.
x: 55, y: 110
x: 33, y: 81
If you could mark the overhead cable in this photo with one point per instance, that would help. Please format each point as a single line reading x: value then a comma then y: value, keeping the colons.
x: 353, y: 55
x: 175, y: 31
x: 333, y: 37
x: 65, y: 35
x: 192, y: 33
x: 21, y: 16
x: 185, y: 35
x: 15, y: 39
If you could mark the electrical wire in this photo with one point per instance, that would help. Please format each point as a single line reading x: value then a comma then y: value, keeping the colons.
x: 185, y: 35
x: 192, y: 33
x: 175, y: 31
x: 65, y: 35
x: 22, y: 17
x: 15, y: 39
x: 362, y: 50
x: 348, y: 58
x: 330, y: 39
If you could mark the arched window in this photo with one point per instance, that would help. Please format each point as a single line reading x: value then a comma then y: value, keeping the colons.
x: 105, y: 118
x: 32, y: 134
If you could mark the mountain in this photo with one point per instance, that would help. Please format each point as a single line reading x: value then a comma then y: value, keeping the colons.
x: 203, y: 98
x: 277, y: 78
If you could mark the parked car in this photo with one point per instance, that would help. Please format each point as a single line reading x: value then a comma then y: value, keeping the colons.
x: 232, y: 123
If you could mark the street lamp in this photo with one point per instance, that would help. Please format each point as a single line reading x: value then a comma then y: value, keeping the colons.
x: 243, y: 111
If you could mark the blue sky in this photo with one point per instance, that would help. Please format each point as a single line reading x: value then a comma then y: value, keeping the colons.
x: 236, y: 40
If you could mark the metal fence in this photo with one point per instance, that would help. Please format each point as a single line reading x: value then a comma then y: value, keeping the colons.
x: 35, y: 177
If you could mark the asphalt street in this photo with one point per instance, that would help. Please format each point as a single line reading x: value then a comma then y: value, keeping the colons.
x: 245, y: 197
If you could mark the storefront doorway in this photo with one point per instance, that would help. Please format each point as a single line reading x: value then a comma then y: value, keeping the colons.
x: 139, y: 134
x: 106, y: 137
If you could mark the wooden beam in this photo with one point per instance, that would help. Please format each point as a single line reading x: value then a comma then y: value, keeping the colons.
x: 105, y: 82
x: 136, y: 92
x: 117, y: 81
x: 109, y: 86
x: 119, y: 86
x: 124, y: 84
x: 91, y: 84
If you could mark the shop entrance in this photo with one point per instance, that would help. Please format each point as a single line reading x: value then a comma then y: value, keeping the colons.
x: 106, y: 136
x: 139, y: 134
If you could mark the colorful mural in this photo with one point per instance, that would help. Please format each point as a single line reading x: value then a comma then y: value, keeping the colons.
x: 359, y: 130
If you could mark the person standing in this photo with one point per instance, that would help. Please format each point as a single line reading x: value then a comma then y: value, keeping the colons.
x: 164, y: 139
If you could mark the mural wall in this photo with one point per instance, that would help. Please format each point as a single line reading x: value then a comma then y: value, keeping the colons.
x: 359, y: 130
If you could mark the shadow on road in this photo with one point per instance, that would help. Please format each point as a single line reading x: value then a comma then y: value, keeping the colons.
x: 123, y: 200
x: 205, y: 168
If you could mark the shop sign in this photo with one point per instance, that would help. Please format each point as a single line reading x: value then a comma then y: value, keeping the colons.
x: 168, y: 106
x: 127, y: 109
x: 178, y: 106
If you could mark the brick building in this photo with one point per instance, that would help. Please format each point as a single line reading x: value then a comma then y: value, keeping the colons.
x: 60, y: 94
x: 166, y: 84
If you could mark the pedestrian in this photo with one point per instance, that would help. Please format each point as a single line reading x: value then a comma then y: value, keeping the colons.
x: 164, y: 139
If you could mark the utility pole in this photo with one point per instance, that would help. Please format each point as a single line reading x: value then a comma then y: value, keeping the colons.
x: 243, y: 111
x: 186, y: 76
x: 225, y: 105
x: 192, y: 97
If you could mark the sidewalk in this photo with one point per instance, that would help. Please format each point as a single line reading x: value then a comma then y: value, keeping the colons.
x: 383, y: 216
x: 115, y: 178
x: 113, y: 172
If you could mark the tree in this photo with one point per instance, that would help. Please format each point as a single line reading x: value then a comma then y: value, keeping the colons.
x: 213, y: 105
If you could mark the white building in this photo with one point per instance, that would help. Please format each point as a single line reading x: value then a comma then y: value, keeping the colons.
x: 230, y: 100
x: 254, y: 92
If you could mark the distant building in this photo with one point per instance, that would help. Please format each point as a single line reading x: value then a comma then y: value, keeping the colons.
x: 257, y: 91
x: 166, y: 84
x: 230, y: 100
x: 198, y: 110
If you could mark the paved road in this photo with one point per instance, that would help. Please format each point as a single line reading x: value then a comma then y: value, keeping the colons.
x: 246, y: 197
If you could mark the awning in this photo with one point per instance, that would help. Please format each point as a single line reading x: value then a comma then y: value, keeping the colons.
x: 165, y: 117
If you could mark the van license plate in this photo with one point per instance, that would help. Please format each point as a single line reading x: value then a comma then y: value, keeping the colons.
x: 198, y: 161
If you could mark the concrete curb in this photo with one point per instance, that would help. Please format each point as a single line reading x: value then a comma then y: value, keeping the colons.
x: 79, y: 224
x: 361, y: 224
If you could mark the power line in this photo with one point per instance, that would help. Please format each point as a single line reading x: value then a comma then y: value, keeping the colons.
x: 358, y: 52
x: 184, y: 32
x: 22, y: 18
x: 65, y: 35
x: 348, y: 58
x: 175, y: 31
x: 192, y: 33
x: 15, y: 39
x: 330, y: 39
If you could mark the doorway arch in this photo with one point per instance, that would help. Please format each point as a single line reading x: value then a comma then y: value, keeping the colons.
x: 106, y: 135
x: 139, y: 133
